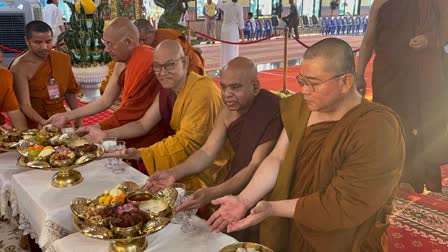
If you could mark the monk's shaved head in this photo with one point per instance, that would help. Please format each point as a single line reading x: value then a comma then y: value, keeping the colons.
x: 169, y: 45
x: 244, y: 67
x: 123, y: 27
x: 143, y: 25
x: 337, y: 53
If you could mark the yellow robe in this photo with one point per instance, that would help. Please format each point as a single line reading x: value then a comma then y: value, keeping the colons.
x: 344, y: 183
x: 193, y: 117
x: 8, y: 100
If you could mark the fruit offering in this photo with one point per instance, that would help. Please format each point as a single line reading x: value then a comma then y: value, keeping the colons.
x: 114, y: 196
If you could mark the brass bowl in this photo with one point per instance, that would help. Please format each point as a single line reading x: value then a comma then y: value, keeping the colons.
x: 155, y: 208
x: 126, y: 232
x: 168, y: 194
x: 139, y: 197
x: 234, y: 246
x: 128, y: 186
x: 79, y: 207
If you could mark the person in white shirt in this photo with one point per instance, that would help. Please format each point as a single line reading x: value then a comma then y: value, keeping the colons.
x: 53, y: 17
x: 231, y: 30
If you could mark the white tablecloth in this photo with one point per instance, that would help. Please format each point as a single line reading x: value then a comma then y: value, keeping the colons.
x: 44, y: 210
x: 169, y: 239
x: 8, y: 168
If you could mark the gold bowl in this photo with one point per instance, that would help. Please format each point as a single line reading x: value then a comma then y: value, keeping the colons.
x: 246, y: 245
x: 139, y: 197
x: 127, y: 232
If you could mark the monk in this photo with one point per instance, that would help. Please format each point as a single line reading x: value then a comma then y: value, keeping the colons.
x: 133, y: 77
x: 408, y: 76
x: 149, y: 36
x: 43, y: 78
x: 330, y: 180
x: 189, y: 104
x: 8, y: 100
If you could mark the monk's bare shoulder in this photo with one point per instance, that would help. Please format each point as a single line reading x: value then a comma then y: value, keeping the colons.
x: 119, y: 67
x: 23, y: 65
x: 227, y: 116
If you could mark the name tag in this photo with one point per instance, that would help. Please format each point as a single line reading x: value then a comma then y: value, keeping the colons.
x: 53, y: 90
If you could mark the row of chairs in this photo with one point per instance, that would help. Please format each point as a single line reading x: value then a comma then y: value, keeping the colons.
x: 344, y: 25
x: 263, y: 28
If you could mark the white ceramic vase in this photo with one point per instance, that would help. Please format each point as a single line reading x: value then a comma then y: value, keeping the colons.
x: 90, y: 78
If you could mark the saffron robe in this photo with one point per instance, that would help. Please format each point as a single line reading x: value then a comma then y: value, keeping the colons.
x: 139, y: 89
x: 8, y: 100
x: 412, y: 83
x: 194, y: 113
x: 344, y: 174
x: 196, y: 61
x: 58, y: 66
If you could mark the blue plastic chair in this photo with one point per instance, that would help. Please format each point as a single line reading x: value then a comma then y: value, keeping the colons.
x: 364, y: 24
x: 248, y: 29
x: 350, y: 25
x: 324, y: 25
x: 267, y: 27
x: 357, y: 24
x: 258, y: 29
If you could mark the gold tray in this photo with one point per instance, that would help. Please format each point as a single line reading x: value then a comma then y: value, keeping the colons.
x: 234, y: 246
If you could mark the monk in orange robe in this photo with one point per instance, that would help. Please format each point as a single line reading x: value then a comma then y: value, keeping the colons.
x: 43, y: 78
x: 151, y: 37
x: 330, y: 180
x: 133, y: 78
x: 408, y: 76
x: 8, y: 100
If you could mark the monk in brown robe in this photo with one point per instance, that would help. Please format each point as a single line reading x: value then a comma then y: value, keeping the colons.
x: 43, y: 78
x: 8, y: 100
x: 151, y: 37
x: 331, y: 177
x: 133, y: 78
x: 250, y: 121
x: 408, y: 76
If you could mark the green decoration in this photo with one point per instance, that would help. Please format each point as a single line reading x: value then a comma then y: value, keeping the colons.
x: 173, y: 11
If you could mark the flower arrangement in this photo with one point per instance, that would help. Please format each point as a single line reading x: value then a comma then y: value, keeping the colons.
x: 83, y: 40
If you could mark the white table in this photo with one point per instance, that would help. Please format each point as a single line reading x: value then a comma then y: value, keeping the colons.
x: 169, y: 239
x: 44, y: 211
x: 8, y: 167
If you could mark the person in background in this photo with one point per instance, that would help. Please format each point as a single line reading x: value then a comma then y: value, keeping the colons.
x: 52, y: 15
x: 210, y: 12
x: 231, y: 29
x: 292, y: 19
x: 250, y: 17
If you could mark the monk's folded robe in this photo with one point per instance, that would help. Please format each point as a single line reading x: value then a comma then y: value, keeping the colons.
x: 344, y: 174
x: 139, y: 89
x: 8, y: 100
x: 196, y: 61
x: 193, y: 116
x: 261, y: 123
x: 58, y: 66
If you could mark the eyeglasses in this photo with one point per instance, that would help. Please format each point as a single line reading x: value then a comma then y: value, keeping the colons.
x: 168, y: 66
x: 110, y: 44
x: 305, y: 82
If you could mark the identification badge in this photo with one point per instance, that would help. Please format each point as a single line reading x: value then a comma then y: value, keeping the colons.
x: 53, y: 89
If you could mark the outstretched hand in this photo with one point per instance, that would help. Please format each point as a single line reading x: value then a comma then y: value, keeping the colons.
x: 197, y: 200
x: 232, y: 209
x: 59, y: 120
x: 160, y: 180
x: 419, y: 42
x: 92, y: 133
x: 130, y: 153
x: 360, y: 84
x: 260, y: 212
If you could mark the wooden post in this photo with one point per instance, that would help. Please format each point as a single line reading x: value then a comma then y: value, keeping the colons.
x: 285, y: 90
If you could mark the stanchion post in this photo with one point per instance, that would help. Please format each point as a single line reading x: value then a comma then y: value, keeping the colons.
x: 285, y: 90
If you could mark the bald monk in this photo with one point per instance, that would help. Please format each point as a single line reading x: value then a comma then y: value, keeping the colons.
x: 189, y: 103
x: 331, y: 177
x: 43, y: 78
x: 8, y: 100
x: 250, y: 121
x: 133, y: 77
x: 149, y: 36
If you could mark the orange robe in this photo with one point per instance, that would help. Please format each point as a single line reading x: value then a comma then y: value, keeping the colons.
x: 8, y: 100
x: 57, y: 65
x: 196, y: 60
x: 139, y: 89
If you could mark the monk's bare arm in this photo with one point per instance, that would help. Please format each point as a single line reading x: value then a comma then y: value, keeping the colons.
x: 368, y: 42
x: 140, y: 127
x: 207, y: 153
x: 23, y: 93
x: 241, y: 179
x: 70, y: 98
x: 18, y: 119
x: 265, y: 177
x: 109, y: 96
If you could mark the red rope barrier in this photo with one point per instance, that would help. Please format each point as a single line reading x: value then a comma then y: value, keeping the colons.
x: 4, y: 48
x: 234, y: 43
x: 307, y: 46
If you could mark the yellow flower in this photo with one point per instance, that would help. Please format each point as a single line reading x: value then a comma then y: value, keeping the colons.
x: 89, y: 6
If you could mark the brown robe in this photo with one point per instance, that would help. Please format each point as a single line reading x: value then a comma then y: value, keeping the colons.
x: 196, y: 61
x: 8, y: 100
x: 139, y: 89
x: 412, y: 83
x: 344, y: 174
x: 58, y: 66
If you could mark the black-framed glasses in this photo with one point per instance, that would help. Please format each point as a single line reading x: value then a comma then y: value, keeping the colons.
x: 168, y: 66
x: 305, y: 82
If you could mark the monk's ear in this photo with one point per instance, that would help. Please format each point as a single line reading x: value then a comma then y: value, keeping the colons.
x: 256, y: 86
x: 349, y: 82
x: 186, y: 60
